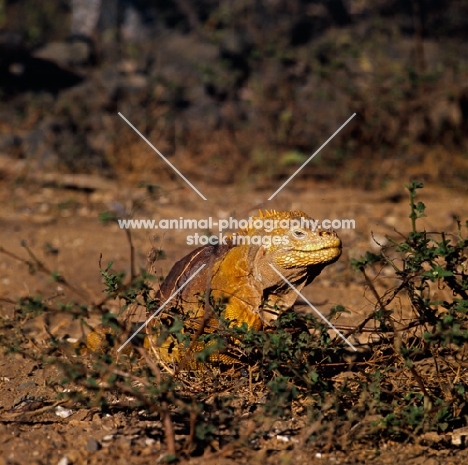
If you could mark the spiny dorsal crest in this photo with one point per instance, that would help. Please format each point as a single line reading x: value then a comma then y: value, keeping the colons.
x: 274, y: 215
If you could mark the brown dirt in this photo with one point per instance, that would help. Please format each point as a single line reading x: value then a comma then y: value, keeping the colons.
x: 62, y: 228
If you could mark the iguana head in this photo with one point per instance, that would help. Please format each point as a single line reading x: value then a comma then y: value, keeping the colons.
x: 290, y: 241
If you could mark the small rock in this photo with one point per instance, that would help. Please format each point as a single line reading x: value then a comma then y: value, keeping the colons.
x: 377, y: 241
x: 63, y: 412
x: 64, y: 461
x: 66, y: 53
x: 283, y: 438
x: 27, y: 385
x: 92, y: 445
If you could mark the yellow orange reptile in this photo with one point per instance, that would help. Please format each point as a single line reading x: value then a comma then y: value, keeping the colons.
x: 238, y: 278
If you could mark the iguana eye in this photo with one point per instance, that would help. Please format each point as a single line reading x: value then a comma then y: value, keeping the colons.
x: 298, y: 234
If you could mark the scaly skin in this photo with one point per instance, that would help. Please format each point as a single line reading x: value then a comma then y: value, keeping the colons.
x: 241, y: 278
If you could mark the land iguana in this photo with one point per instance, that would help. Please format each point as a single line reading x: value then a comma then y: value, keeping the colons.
x: 237, y: 275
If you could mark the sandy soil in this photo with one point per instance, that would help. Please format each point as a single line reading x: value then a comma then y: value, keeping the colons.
x: 61, y: 226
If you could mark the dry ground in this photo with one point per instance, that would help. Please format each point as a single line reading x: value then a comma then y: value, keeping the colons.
x: 61, y: 226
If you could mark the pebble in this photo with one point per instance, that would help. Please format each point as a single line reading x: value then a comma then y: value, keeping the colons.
x: 92, y: 445
x: 27, y: 385
x: 63, y: 412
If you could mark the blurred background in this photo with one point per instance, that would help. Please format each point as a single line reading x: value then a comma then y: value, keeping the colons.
x: 237, y: 90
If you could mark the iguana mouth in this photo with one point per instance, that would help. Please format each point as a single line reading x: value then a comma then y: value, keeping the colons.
x: 306, y: 251
x: 322, y: 248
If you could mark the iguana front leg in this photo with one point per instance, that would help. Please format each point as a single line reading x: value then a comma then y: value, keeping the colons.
x: 234, y: 284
